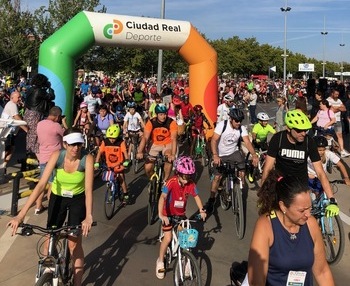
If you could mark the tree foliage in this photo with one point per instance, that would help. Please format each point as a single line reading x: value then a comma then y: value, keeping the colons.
x: 22, y: 32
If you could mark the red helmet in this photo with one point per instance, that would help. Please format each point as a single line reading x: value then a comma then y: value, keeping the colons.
x: 198, y: 107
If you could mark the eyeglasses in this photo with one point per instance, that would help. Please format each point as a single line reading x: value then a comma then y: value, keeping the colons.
x: 298, y: 130
x: 75, y: 144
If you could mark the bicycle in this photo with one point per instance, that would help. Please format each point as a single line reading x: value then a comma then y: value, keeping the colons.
x: 230, y: 194
x: 184, y: 238
x: 155, y: 187
x: 113, y: 191
x: 56, y: 266
x: 133, y: 144
x: 254, y: 173
x: 201, y: 148
x: 331, y: 227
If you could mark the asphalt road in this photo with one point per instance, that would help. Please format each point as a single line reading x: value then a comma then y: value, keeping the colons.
x: 123, y: 250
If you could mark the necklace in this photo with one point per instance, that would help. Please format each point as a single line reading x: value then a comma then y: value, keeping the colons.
x: 293, y: 236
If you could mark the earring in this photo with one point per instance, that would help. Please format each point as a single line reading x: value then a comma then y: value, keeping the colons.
x: 284, y: 212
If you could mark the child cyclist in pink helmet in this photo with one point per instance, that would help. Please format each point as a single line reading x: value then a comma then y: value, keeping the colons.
x: 172, y: 204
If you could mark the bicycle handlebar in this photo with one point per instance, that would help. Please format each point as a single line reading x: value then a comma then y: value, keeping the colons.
x: 28, y: 229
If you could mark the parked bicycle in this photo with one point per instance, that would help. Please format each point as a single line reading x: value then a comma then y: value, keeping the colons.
x: 331, y: 227
x: 113, y: 190
x: 230, y: 194
x: 184, y: 238
x: 54, y: 267
x: 155, y: 187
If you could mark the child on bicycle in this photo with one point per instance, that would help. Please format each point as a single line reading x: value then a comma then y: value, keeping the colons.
x: 83, y: 119
x: 197, y: 126
x: 172, y: 204
x: 327, y: 157
x: 261, y: 130
x: 113, y: 148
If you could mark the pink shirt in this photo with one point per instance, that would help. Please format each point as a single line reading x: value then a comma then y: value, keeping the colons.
x: 50, y: 136
x: 324, y: 116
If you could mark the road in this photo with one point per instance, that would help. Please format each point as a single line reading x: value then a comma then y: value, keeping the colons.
x: 123, y: 250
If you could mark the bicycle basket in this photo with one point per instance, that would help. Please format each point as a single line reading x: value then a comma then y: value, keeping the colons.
x: 107, y: 176
x: 188, y: 238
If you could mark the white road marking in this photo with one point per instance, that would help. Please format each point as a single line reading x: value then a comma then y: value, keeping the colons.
x: 7, y: 240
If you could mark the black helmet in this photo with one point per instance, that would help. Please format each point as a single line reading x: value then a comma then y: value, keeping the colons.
x: 236, y: 114
x: 321, y: 141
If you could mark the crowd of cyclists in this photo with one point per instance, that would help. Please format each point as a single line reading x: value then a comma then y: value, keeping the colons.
x: 111, y: 112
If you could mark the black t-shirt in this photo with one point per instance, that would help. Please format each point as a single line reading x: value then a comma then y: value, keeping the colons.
x: 291, y: 159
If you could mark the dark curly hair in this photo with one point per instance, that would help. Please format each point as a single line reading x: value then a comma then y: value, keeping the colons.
x: 40, y: 80
x: 277, y: 188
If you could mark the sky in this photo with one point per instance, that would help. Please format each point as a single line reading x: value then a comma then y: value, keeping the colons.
x: 261, y: 19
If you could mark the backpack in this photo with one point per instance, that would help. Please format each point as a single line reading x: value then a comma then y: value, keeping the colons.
x: 240, y: 133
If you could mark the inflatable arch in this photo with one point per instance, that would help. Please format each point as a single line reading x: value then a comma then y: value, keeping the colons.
x: 58, y: 53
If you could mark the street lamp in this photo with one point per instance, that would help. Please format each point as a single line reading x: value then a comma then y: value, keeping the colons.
x: 160, y: 53
x: 285, y: 9
x: 324, y: 34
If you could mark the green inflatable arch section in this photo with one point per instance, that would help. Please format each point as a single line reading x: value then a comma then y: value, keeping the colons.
x: 58, y: 53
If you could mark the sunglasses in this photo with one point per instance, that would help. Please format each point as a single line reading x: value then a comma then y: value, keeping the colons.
x: 75, y: 144
x: 298, y: 130
x: 237, y: 121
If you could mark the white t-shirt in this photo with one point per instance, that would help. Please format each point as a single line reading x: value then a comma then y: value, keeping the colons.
x: 228, y: 143
x: 222, y: 112
x: 10, y: 110
x: 92, y: 103
x: 133, y: 121
x: 336, y: 103
x: 330, y: 156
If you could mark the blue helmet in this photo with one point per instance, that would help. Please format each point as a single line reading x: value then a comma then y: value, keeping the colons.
x: 119, y: 108
x: 160, y: 108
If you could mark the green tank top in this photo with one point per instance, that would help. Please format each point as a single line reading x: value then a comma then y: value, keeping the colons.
x: 68, y: 184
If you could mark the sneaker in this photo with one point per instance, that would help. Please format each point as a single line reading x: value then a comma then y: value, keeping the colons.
x: 40, y: 211
x: 160, y: 270
x: 209, y: 206
x: 344, y: 153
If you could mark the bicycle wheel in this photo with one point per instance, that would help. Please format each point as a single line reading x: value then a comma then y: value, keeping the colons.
x: 135, y: 162
x: 66, y: 266
x: 334, y: 239
x: 109, y: 203
x: 45, y: 280
x: 237, y: 208
x: 205, y: 159
x: 186, y: 271
x: 224, y: 195
x: 152, y: 201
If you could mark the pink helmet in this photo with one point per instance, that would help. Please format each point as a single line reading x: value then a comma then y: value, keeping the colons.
x: 83, y: 104
x: 185, y: 165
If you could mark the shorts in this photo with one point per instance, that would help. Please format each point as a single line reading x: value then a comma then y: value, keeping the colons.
x: 57, y: 210
x: 338, y: 127
x: 165, y: 149
x: 53, y: 174
x: 235, y: 157
x: 173, y: 220
x: 9, y: 143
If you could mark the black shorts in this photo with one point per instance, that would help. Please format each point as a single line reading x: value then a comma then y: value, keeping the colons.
x: 10, y: 142
x: 57, y: 210
x: 236, y: 157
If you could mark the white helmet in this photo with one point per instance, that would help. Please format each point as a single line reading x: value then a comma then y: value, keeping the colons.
x: 228, y: 97
x: 262, y: 116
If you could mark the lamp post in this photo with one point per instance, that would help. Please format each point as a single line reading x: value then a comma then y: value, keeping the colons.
x: 285, y: 9
x: 324, y: 34
x: 160, y: 53
x: 342, y: 62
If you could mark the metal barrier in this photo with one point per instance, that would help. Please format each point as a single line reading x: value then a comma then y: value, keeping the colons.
x: 16, y: 177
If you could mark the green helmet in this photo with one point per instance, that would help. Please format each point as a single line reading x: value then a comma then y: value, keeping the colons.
x: 113, y: 131
x: 297, y: 119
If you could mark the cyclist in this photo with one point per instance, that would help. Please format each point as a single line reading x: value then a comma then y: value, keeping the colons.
x: 113, y: 149
x: 224, y: 108
x: 162, y: 131
x: 327, y: 157
x: 225, y: 146
x: 261, y: 130
x: 83, y: 118
x: 72, y: 187
x: 119, y: 115
x: 172, y: 204
x: 103, y: 120
x: 288, y: 152
x: 196, y: 121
